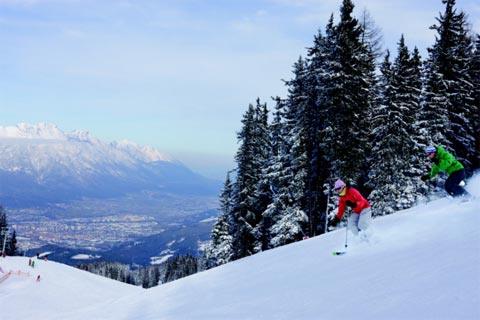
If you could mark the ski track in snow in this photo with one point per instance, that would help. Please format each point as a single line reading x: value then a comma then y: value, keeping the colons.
x: 420, y: 263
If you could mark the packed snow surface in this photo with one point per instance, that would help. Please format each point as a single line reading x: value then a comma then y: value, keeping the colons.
x: 421, y: 263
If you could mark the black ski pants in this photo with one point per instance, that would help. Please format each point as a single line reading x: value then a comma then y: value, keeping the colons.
x: 452, y: 184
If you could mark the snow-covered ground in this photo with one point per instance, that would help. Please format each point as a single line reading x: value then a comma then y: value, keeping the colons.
x: 421, y: 263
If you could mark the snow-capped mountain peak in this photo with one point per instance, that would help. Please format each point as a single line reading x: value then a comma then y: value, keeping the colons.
x: 47, y: 131
x: 80, y: 135
x: 143, y: 153
x: 44, y: 131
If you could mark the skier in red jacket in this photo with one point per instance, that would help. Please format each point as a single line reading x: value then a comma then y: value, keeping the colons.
x: 359, y: 220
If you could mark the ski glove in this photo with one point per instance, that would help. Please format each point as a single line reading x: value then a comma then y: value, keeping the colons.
x: 351, y: 204
x: 425, y: 177
x: 334, y: 221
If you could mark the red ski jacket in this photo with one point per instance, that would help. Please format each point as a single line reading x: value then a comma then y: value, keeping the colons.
x: 353, y: 197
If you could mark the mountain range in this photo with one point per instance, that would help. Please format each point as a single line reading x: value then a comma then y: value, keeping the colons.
x: 41, y: 164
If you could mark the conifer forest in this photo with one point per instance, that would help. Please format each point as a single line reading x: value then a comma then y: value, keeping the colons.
x: 353, y: 112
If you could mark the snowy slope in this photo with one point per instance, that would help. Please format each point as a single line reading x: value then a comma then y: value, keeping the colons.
x: 421, y: 263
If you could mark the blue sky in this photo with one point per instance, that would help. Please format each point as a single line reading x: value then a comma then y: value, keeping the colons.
x: 175, y: 75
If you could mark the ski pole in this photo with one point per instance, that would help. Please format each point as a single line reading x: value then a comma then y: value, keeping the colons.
x: 326, y: 210
x: 339, y: 253
x: 346, y: 235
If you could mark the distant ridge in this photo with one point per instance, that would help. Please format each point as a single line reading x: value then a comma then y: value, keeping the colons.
x: 47, y: 131
x: 41, y: 164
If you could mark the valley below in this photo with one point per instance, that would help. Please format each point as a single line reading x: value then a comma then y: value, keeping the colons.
x: 153, y: 224
x: 81, y: 198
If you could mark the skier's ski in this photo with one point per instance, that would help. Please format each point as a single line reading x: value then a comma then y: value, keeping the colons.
x: 338, y: 253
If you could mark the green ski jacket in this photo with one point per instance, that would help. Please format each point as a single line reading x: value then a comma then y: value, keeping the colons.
x: 444, y: 161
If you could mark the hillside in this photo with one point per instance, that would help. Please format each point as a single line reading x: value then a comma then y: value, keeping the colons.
x: 421, y: 263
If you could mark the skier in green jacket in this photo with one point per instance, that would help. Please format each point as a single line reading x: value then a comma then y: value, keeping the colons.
x: 445, y: 161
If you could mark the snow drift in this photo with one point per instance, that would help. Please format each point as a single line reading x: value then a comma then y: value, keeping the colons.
x: 421, y: 263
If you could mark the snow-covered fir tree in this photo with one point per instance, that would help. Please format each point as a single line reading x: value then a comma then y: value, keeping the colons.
x: 433, y: 120
x: 220, y: 250
x: 243, y: 197
x: 381, y: 168
x: 315, y: 157
x: 392, y: 176
x: 263, y: 192
x: 271, y: 179
x: 284, y: 172
x: 250, y: 160
x: 346, y: 96
x: 302, y: 114
x: 419, y: 163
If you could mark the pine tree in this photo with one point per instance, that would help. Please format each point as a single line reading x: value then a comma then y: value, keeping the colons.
x: 244, y: 187
x: 220, y: 251
x: 382, y: 170
x: 418, y: 161
x: 392, y: 174
x: 282, y: 227
x: 263, y: 192
x: 303, y: 122
x: 271, y: 178
x: 251, y: 158
x: 317, y: 164
x: 433, y: 121
x: 346, y: 96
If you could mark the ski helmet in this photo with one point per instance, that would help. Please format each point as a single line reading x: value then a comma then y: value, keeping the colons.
x: 339, y: 184
x: 430, y: 150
